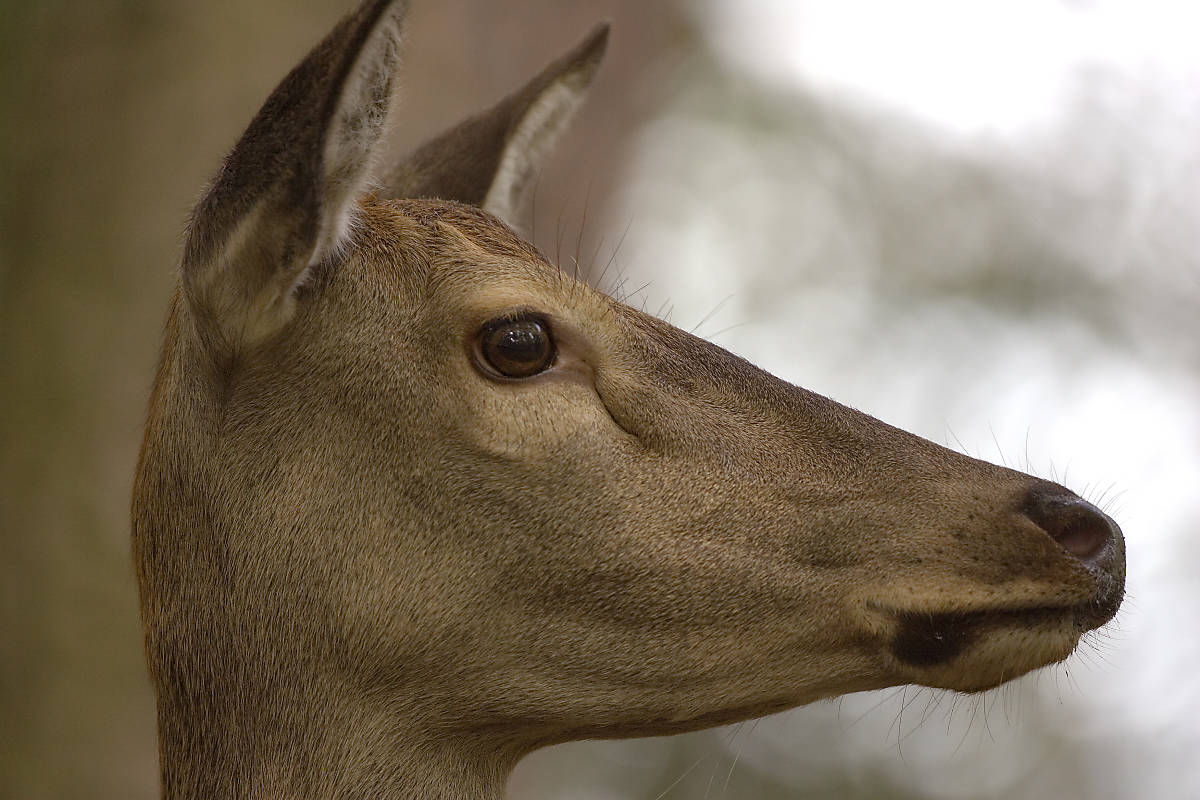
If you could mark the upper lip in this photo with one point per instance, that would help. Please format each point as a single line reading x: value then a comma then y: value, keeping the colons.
x: 1088, y: 614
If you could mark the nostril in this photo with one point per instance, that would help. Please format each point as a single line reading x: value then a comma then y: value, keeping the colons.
x: 1082, y: 529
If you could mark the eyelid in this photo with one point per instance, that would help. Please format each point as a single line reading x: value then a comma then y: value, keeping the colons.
x: 517, y: 315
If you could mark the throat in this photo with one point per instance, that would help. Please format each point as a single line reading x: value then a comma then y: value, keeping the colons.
x: 338, y: 752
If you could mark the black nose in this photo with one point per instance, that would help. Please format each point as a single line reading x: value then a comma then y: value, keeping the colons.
x: 1083, y: 530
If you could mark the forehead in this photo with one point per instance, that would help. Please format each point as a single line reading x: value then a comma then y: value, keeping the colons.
x: 438, y: 218
x: 457, y: 256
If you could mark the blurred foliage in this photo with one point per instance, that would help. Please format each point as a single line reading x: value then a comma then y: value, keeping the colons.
x: 76, y: 333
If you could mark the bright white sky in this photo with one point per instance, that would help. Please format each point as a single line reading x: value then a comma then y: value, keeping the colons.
x: 981, y: 65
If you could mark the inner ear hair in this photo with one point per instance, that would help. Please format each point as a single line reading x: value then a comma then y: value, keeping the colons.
x: 284, y: 199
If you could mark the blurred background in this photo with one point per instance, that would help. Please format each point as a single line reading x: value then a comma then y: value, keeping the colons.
x: 977, y: 221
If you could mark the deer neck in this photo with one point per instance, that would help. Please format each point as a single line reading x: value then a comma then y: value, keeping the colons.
x: 317, y: 747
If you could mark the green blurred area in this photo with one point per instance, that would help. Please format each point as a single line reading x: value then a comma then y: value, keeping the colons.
x: 88, y: 230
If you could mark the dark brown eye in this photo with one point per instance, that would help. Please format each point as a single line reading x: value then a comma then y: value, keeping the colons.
x: 517, y: 348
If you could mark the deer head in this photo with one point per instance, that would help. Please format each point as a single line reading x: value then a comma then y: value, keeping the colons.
x: 413, y: 502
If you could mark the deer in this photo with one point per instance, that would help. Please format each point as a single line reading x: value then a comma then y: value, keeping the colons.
x: 413, y: 501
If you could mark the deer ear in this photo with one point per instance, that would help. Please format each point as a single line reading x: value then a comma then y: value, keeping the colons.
x: 491, y: 160
x: 284, y: 199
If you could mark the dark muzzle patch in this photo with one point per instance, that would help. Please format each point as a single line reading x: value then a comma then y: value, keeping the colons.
x: 929, y: 640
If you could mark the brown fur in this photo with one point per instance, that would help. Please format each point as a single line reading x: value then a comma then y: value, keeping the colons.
x: 368, y: 570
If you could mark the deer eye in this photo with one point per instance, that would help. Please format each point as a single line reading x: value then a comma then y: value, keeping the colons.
x: 516, y: 348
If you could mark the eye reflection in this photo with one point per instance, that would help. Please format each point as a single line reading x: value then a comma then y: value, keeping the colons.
x: 517, y: 348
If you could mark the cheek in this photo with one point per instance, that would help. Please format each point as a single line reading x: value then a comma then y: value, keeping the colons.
x: 532, y: 422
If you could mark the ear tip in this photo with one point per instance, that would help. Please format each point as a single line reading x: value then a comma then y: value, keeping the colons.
x: 397, y: 8
x: 600, y: 32
x: 591, y: 50
x: 392, y: 7
x: 378, y: 12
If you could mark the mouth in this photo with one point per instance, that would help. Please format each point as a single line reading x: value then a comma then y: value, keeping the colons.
x: 934, y: 639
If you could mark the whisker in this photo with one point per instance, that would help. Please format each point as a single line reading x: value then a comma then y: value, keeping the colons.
x: 710, y: 314
x: 612, y: 257
x: 677, y: 781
